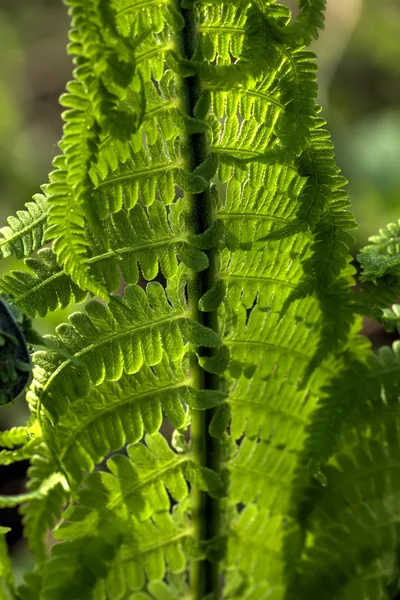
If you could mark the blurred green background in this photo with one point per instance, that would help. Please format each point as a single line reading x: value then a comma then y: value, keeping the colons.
x: 359, y: 58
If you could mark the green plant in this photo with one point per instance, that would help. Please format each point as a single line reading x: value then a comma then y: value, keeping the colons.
x: 193, y: 153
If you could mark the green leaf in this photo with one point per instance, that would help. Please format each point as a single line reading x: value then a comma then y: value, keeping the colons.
x: 175, y: 18
x: 193, y: 258
x: 208, y: 239
x: 208, y: 168
x: 203, y: 478
x: 204, y: 399
x: 179, y: 66
x: 218, y: 363
x: 203, y: 105
x: 119, y: 412
x: 199, y: 335
x: 109, y: 341
x: 220, y: 421
x: 6, y: 574
x: 16, y: 436
x: 191, y: 182
x: 212, y: 299
x: 25, y: 232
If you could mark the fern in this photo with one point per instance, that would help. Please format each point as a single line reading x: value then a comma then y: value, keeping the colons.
x: 25, y: 231
x: 311, y: 19
x: 360, y: 473
x: 6, y: 574
x: 213, y: 419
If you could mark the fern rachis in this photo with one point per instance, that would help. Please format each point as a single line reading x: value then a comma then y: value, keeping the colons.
x: 193, y: 149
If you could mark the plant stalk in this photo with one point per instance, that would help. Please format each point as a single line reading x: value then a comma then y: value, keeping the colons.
x: 204, y: 574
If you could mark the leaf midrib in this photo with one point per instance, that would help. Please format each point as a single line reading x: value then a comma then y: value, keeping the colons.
x: 140, y: 5
x: 187, y: 532
x: 146, y: 172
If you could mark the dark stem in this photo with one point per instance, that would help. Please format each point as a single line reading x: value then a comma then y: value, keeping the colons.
x: 206, y: 450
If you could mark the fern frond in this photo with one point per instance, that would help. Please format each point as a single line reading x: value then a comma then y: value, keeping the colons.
x: 293, y: 84
x: 354, y: 542
x: 71, y: 566
x: 95, y: 103
x: 44, y: 288
x: 108, y: 342
x: 143, y: 174
x: 110, y: 173
x: 322, y: 204
x: 348, y: 526
x: 8, y: 457
x: 380, y: 276
x: 297, y: 78
x: 250, y: 215
x: 15, y: 436
x: 337, y: 322
x: 317, y: 165
x: 46, y: 494
x: 253, y: 557
x: 323, y: 209
x: 6, y: 572
x: 353, y: 438
x: 345, y: 396
x: 67, y: 194
x: 271, y: 393
x: 261, y: 473
x: 105, y: 342
x: 310, y: 19
x: 134, y: 492
x: 134, y: 16
x: 260, y: 360
x: 41, y: 504
x: 222, y: 29
x: 119, y: 412
x: 135, y: 485
x: 332, y: 239
x: 391, y: 318
x: 146, y: 237
x: 326, y: 275
x: 275, y: 378
x: 267, y: 403
x: 159, y: 545
x: 25, y: 231
x: 381, y: 257
x: 54, y: 480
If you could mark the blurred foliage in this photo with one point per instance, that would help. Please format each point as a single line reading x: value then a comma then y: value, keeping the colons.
x: 364, y: 115
x: 33, y: 71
